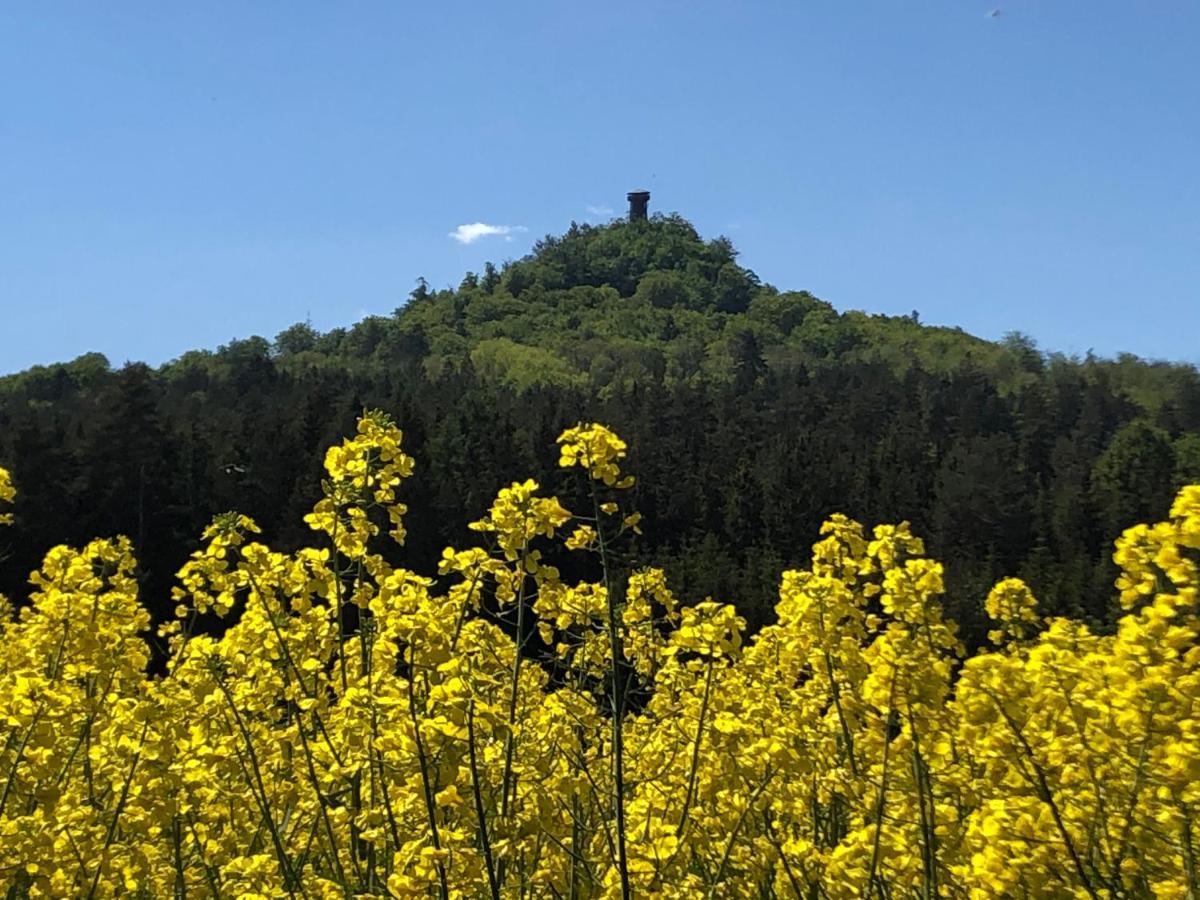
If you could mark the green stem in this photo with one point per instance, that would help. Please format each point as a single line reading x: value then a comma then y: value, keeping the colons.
x: 484, y: 841
x: 112, y: 825
x: 508, y: 787
x: 1047, y: 797
x: 778, y: 845
x: 264, y: 804
x: 322, y: 803
x: 1189, y: 854
x: 928, y: 812
x: 12, y: 773
x: 690, y: 795
x: 882, y: 794
x: 180, y: 890
x: 423, y: 762
x: 733, y: 833
x: 618, y: 703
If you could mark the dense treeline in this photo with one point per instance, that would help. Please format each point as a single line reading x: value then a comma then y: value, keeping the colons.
x: 755, y: 413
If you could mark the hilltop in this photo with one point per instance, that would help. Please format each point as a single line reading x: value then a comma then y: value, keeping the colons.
x: 605, y: 307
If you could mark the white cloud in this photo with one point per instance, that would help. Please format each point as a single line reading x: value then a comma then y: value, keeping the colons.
x: 600, y: 210
x: 469, y: 234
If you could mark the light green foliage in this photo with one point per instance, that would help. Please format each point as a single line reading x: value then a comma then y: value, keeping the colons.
x: 522, y: 367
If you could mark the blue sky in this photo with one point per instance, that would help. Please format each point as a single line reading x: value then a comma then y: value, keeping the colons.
x: 176, y: 175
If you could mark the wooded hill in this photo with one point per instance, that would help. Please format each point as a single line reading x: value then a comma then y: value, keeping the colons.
x: 751, y: 413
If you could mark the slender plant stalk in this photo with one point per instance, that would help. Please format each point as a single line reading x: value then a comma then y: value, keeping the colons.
x: 733, y: 833
x: 880, y: 798
x: 209, y: 874
x: 695, y: 765
x: 508, y: 787
x: 480, y: 814
x: 835, y: 692
x: 120, y: 807
x: 322, y: 804
x: 778, y: 845
x: 269, y: 820
x: 1047, y: 797
x: 1134, y: 794
x: 430, y: 806
x: 618, y: 703
x: 1189, y: 854
x: 180, y: 889
x: 927, y: 810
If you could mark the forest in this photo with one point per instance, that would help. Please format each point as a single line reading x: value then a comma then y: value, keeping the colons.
x: 757, y: 413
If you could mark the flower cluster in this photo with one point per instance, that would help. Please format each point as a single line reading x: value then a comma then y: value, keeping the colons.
x: 596, y: 449
x: 500, y: 731
x: 7, y: 493
x: 364, y: 473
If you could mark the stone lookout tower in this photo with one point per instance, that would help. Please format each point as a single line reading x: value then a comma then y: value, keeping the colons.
x: 638, y: 202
